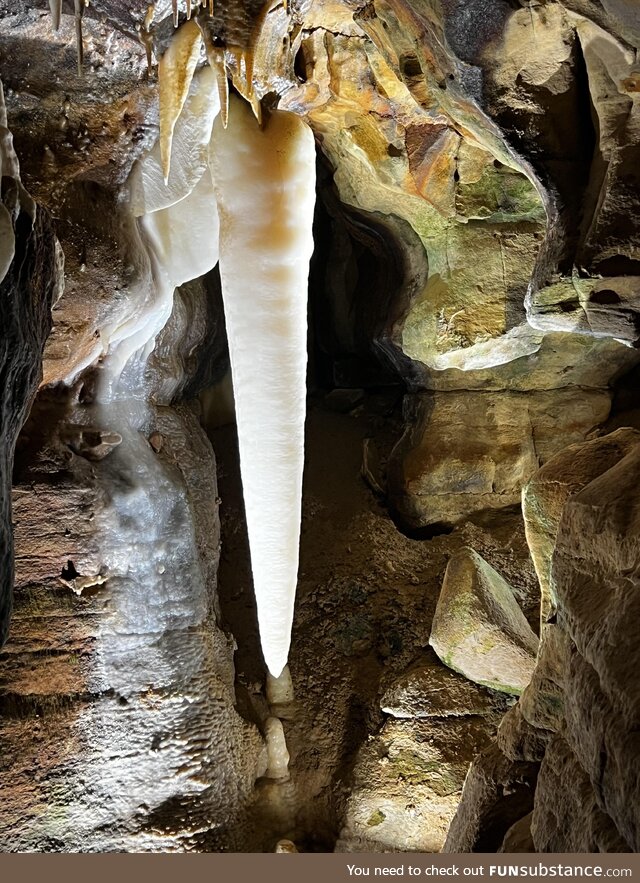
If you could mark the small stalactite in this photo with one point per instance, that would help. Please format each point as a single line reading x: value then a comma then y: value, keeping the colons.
x: 215, y: 57
x: 175, y: 73
x: 223, y: 89
x: 146, y: 38
x: 78, y: 11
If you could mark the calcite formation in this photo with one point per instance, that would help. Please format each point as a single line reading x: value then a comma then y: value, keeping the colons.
x: 466, y: 177
x: 265, y: 184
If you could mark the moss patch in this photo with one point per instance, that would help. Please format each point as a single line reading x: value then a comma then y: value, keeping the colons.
x: 376, y: 818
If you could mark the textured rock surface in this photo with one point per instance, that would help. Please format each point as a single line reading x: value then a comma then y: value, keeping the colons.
x: 543, y: 700
x: 580, y: 713
x: 518, y: 837
x: 545, y: 496
x: 567, y: 816
x: 477, y: 233
x: 30, y: 278
x: 478, y: 628
x: 466, y: 452
x: 542, y: 72
x: 497, y: 793
x: 595, y: 572
x: 599, y: 307
x: 520, y: 740
x: 431, y: 690
x: 420, y: 762
x: 121, y: 684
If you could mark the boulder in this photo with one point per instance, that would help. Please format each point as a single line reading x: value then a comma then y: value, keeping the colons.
x: 407, y: 782
x: 518, y: 837
x: 478, y: 628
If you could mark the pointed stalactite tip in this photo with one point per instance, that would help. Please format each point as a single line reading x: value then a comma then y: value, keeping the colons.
x: 175, y: 73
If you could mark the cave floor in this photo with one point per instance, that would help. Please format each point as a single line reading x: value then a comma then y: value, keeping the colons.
x: 366, y: 598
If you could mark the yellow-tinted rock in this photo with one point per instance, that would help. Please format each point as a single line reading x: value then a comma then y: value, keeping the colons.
x: 478, y: 628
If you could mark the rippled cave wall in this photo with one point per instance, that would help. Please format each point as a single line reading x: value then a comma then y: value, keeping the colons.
x: 473, y: 446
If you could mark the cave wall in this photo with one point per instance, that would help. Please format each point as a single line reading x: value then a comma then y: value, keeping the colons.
x: 117, y: 691
x: 479, y: 246
x: 575, y: 726
x: 30, y: 280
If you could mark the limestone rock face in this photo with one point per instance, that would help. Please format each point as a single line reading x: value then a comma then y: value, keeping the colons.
x: 543, y: 699
x: 420, y: 758
x: 478, y: 628
x: 30, y: 278
x: 559, y: 80
x: 465, y: 451
x: 595, y: 572
x: 599, y: 307
x: 497, y: 793
x: 117, y: 684
x: 545, y: 496
x: 613, y: 184
x: 518, y: 837
x: 567, y: 815
x: 520, y: 740
x: 583, y: 701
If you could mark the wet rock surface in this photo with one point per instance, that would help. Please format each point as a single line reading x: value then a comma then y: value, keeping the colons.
x: 116, y: 673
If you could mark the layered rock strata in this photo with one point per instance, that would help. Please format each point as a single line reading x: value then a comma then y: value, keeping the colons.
x: 578, y: 718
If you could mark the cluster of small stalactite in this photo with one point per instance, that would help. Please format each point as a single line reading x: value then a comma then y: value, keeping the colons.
x: 228, y: 30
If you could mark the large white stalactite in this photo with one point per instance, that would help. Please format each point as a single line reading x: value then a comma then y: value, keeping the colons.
x: 265, y: 182
x: 258, y: 184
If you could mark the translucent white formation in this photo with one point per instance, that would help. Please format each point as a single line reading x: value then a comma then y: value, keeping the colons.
x: 265, y: 183
x: 174, y: 249
x: 277, y: 752
x: 189, y: 151
x: 280, y: 690
x: 261, y: 181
